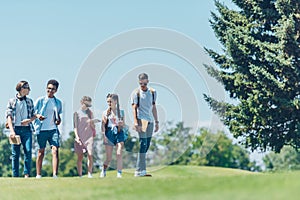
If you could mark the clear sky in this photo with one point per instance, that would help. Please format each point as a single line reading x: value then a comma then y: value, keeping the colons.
x: 41, y: 40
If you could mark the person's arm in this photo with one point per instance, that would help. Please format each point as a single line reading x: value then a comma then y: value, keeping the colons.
x: 58, y: 112
x: 9, y: 111
x: 27, y: 121
x: 75, y: 123
x: 12, y: 133
x: 137, y: 127
x: 30, y: 107
x: 104, y: 121
x: 154, y: 112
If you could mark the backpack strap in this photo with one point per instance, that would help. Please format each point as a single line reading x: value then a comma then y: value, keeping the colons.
x: 138, y: 96
x: 152, y: 92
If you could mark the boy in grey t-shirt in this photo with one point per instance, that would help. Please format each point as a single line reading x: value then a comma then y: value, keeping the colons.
x: 145, y: 119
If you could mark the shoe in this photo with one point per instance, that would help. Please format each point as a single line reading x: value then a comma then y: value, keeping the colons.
x: 103, y: 173
x: 144, y: 173
x: 90, y: 175
x: 26, y: 176
x: 38, y: 176
x: 55, y: 176
x: 137, y: 173
x: 119, y: 175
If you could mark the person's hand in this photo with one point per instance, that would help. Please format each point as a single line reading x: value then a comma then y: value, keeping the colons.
x: 12, y: 134
x: 121, y: 123
x: 156, y: 127
x: 40, y: 117
x: 78, y: 140
x: 57, y: 122
x: 105, y: 139
x: 138, y: 128
x: 25, y: 122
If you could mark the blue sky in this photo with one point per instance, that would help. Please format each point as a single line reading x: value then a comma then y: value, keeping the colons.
x: 41, y: 40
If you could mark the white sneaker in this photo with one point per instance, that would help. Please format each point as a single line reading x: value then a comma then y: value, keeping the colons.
x: 90, y: 175
x: 119, y: 175
x: 55, y: 176
x: 102, y: 174
x: 137, y: 173
x: 38, y: 176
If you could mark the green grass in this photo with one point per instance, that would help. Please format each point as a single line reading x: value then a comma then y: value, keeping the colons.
x: 173, y: 182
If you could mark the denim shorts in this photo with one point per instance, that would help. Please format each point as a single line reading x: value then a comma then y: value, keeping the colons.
x: 114, y: 137
x: 52, y: 136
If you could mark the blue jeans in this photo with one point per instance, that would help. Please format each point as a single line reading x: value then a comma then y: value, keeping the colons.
x: 26, y: 141
x: 144, y: 143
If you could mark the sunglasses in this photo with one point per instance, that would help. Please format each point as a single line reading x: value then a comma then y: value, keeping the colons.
x: 26, y: 87
x: 52, y: 89
x: 88, y: 105
x: 143, y: 84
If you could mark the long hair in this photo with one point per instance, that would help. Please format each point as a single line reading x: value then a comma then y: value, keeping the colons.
x: 115, y: 97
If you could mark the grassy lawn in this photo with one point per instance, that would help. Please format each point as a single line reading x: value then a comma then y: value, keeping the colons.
x: 173, y: 182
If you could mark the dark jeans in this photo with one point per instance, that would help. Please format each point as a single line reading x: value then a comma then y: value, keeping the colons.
x: 26, y: 141
x: 144, y: 142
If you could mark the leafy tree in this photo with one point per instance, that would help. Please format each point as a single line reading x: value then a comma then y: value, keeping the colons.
x: 259, y: 68
x: 5, y: 155
x: 170, y: 144
x: 287, y: 159
x: 216, y: 150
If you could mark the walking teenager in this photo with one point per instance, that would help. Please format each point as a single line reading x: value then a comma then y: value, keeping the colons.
x: 113, y: 134
x: 19, y: 115
x: 84, y: 129
x: 145, y: 120
x: 46, y: 126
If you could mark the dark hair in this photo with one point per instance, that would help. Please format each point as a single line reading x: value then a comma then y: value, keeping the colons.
x: 143, y: 76
x: 21, y: 84
x: 53, y: 82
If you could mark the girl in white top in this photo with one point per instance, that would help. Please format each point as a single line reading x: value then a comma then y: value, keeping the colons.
x: 113, y: 134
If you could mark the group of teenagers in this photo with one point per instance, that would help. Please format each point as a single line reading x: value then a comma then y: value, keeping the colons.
x: 23, y: 118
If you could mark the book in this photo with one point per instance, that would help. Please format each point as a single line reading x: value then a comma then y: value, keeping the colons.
x: 144, y: 125
x: 15, y: 140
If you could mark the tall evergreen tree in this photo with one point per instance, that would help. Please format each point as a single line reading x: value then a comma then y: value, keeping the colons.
x: 260, y: 69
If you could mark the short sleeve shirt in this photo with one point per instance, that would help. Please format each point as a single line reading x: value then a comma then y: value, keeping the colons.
x: 144, y: 110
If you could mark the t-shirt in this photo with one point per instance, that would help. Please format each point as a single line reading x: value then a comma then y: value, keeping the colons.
x: 49, y: 113
x: 144, y: 110
x: 113, y: 120
x: 21, y: 112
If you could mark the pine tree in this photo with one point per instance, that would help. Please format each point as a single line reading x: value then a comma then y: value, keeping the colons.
x: 260, y: 69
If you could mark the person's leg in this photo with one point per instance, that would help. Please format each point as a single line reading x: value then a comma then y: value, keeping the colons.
x: 141, y: 159
x: 144, y: 141
x: 119, y: 146
x: 27, y: 147
x: 90, y: 164
x: 41, y: 139
x: 54, y: 143
x: 119, y: 156
x: 149, y: 133
x: 39, y: 161
x: 108, y: 151
x: 55, y: 160
x: 15, y: 152
x: 79, y: 163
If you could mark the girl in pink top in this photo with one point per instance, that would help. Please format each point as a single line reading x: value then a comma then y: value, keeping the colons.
x: 84, y: 129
